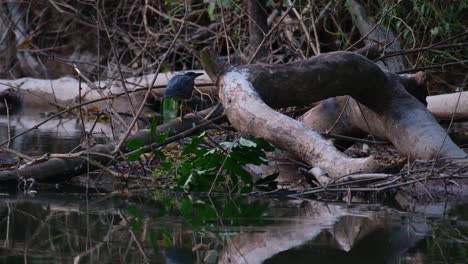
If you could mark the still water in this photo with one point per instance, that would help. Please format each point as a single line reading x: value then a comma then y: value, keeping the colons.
x: 55, y: 136
x: 55, y: 227
x: 72, y: 224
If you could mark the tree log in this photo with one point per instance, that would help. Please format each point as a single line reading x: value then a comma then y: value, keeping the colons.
x: 32, y: 94
x: 66, y: 88
x: 448, y: 106
x: 249, y: 92
x: 59, y: 169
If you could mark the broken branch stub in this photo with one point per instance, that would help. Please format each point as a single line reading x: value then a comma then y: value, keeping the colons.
x: 249, y: 92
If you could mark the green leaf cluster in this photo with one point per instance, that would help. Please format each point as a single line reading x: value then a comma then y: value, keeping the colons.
x: 221, y: 168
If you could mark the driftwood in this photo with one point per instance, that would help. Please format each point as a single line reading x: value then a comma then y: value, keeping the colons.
x: 34, y: 94
x: 64, y: 168
x: 249, y: 92
x: 448, y: 106
x: 59, y: 169
x: 345, y: 116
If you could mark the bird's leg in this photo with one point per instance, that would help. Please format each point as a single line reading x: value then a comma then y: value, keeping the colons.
x: 188, y: 107
x: 181, y: 111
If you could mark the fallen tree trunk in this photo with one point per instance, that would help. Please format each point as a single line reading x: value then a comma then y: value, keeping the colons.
x: 352, y: 165
x: 249, y: 93
x: 66, y: 88
x: 33, y: 94
x: 59, y: 169
x: 36, y: 94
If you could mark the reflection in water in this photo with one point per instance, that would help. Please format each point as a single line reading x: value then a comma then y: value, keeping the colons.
x: 332, y: 234
x: 384, y: 243
x: 55, y: 136
x: 66, y: 228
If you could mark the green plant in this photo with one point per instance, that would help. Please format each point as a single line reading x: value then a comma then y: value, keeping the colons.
x: 221, y: 167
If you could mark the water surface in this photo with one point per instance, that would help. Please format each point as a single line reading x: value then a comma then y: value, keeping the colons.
x: 68, y: 223
x: 56, y: 227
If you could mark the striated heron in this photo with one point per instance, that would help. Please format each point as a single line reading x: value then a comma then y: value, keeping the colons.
x: 180, y: 88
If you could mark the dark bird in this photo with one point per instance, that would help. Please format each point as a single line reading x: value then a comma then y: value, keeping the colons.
x: 180, y: 88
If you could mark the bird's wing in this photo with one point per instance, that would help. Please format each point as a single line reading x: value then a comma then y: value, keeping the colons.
x: 179, y: 86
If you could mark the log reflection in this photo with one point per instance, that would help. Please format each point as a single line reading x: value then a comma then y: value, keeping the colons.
x: 155, y: 228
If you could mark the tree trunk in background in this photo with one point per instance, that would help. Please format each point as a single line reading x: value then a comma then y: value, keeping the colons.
x: 257, y: 26
x: 7, y: 46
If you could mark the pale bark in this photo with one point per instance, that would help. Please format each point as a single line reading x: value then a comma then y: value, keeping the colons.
x: 30, y: 95
x: 249, y: 114
x: 446, y: 106
x: 66, y: 88
x: 248, y: 92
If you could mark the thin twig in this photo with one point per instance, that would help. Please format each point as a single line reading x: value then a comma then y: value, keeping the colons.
x: 140, y: 110
x: 8, y: 122
x: 463, y: 62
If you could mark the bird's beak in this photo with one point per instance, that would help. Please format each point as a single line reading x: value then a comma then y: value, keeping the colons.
x: 198, y: 74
